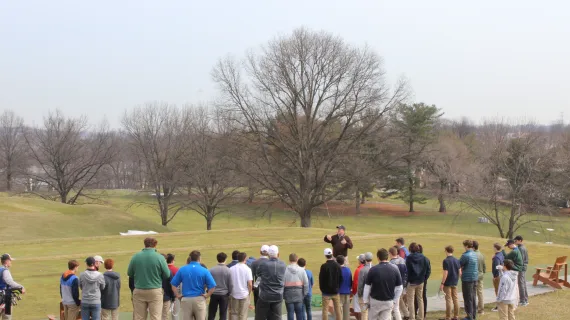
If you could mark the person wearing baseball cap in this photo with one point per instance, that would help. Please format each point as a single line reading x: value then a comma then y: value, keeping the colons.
x: 368, y: 257
x: 355, y: 303
x: 264, y: 256
x: 523, y: 293
x: 7, y: 283
x: 91, y: 283
x: 98, y: 261
x: 340, y: 242
x: 330, y: 279
x: 270, y: 274
x: 515, y: 255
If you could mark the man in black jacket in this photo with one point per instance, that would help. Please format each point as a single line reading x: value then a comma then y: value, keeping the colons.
x: 418, y: 271
x: 340, y: 243
x: 330, y: 278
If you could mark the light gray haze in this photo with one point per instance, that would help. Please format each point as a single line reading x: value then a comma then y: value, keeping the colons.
x: 480, y: 59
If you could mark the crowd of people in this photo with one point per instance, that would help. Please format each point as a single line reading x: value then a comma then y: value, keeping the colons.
x: 393, y: 288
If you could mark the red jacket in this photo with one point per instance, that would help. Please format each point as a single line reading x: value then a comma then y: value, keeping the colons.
x: 355, y: 280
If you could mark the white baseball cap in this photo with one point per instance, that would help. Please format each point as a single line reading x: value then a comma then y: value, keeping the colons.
x: 273, y: 251
x: 264, y: 248
x: 328, y: 252
x: 99, y: 259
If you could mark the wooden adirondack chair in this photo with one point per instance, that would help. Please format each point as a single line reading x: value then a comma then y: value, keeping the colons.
x: 551, y: 274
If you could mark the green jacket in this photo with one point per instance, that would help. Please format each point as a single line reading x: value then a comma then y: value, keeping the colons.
x: 516, y: 257
x: 148, y: 268
x: 481, y: 266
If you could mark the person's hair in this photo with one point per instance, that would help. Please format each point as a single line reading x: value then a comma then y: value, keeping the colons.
x: 235, y: 254
x: 382, y: 254
x: 293, y: 257
x: 497, y: 246
x: 109, y: 264
x: 449, y: 249
x: 241, y: 256
x: 468, y: 244
x: 72, y: 264
x: 221, y: 257
x: 475, y: 244
x: 400, y: 241
x: 302, y: 262
x: 420, y: 248
x: 414, y: 247
x: 328, y: 256
x: 518, y: 238
x: 170, y: 258
x: 509, y: 264
x: 150, y: 242
x: 340, y: 260
x: 195, y: 255
x: 393, y: 251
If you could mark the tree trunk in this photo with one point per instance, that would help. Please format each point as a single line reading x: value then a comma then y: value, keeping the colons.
x: 209, y: 223
x: 63, y: 197
x: 8, y: 179
x: 164, y: 215
x: 357, y: 201
x: 411, y: 186
x: 441, y: 198
x: 306, y: 217
x: 363, y: 198
x: 251, y: 195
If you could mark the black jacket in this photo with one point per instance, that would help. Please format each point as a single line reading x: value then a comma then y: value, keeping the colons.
x: 330, y: 277
x: 419, y: 268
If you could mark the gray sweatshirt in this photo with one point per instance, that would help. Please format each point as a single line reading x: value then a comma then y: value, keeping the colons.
x: 223, y: 278
x: 296, y: 284
x: 91, y: 283
x: 110, y: 295
x: 362, y: 274
x: 524, y: 254
x: 8, y: 280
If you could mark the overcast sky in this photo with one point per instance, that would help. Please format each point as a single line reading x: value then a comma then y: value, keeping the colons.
x: 481, y: 59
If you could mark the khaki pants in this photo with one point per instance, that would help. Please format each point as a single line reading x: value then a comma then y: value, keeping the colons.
x: 363, y: 309
x: 404, y: 305
x: 194, y: 307
x: 151, y: 300
x: 451, y: 302
x: 381, y: 310
x: 413, y: 292
x: 345, y: 305
x: 480, y: 298
x: 70, y: 312
x: 336, y: 304
x: 506, y: 311
x: 166, y: 309
x: 496, y: 284
x: 239, y: 308
x: 110, y: 314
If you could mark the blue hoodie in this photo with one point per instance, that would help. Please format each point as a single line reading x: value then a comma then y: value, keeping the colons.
x: 346, y: 284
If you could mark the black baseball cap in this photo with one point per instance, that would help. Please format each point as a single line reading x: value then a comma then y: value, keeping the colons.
x: 509, y: 242
x: 90, y: 261
x: 341, y: 227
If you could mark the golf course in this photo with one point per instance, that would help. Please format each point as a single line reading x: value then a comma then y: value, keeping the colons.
x: 43, y: 235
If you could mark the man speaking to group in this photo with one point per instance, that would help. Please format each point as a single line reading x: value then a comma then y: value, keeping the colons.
x: 340, y: 243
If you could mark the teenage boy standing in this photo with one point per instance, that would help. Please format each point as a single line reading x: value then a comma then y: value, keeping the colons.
x: 451, y: 273
x: 523, y: 294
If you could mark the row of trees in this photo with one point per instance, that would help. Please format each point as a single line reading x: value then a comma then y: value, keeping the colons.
x: 309, y: 118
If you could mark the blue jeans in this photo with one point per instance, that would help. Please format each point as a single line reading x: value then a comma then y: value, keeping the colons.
x: 307, y: 302
x: 295, y: 309
x: 90, y: 310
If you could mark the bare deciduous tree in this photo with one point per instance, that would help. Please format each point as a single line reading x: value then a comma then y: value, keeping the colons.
x: 512, y: 185
x: 159, y: 135
x: 69, y: 154
x: 12, y: 145
x: 303, y: 105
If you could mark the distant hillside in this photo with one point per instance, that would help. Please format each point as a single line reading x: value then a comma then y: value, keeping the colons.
x: 32, y: 218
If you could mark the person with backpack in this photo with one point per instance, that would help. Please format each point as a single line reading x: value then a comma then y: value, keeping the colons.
x: 451, y: 268
x: 419, y: 269
x: 69, y: 291
x: 400, y: 308
x: 110, y: 295
x: 7, y: 284
x: 91, y: 283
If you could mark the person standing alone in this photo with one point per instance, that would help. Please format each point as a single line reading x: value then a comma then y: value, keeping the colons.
x: 242, y: 285
x: 469, y: 276
x: 330, y: 278
x: 523, y: 294
x: 340, y: 243
x: 148, y: 269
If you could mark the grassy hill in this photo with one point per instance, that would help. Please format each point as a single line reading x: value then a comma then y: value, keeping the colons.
x: 33, y: 218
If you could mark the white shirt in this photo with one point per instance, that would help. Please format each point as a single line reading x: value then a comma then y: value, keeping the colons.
x: 240, y: 274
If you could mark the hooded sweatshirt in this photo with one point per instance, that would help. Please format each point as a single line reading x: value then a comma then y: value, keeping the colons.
x: 69, y: 289
x: 110, y: 295
x: 508, y: 291
x: 401, y: 264
x: 91, y: 283
x: 498, y: 260
x: 271, y: 274
x: 296, y: 284
x: 419, y: 268
x: 330, y: 278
